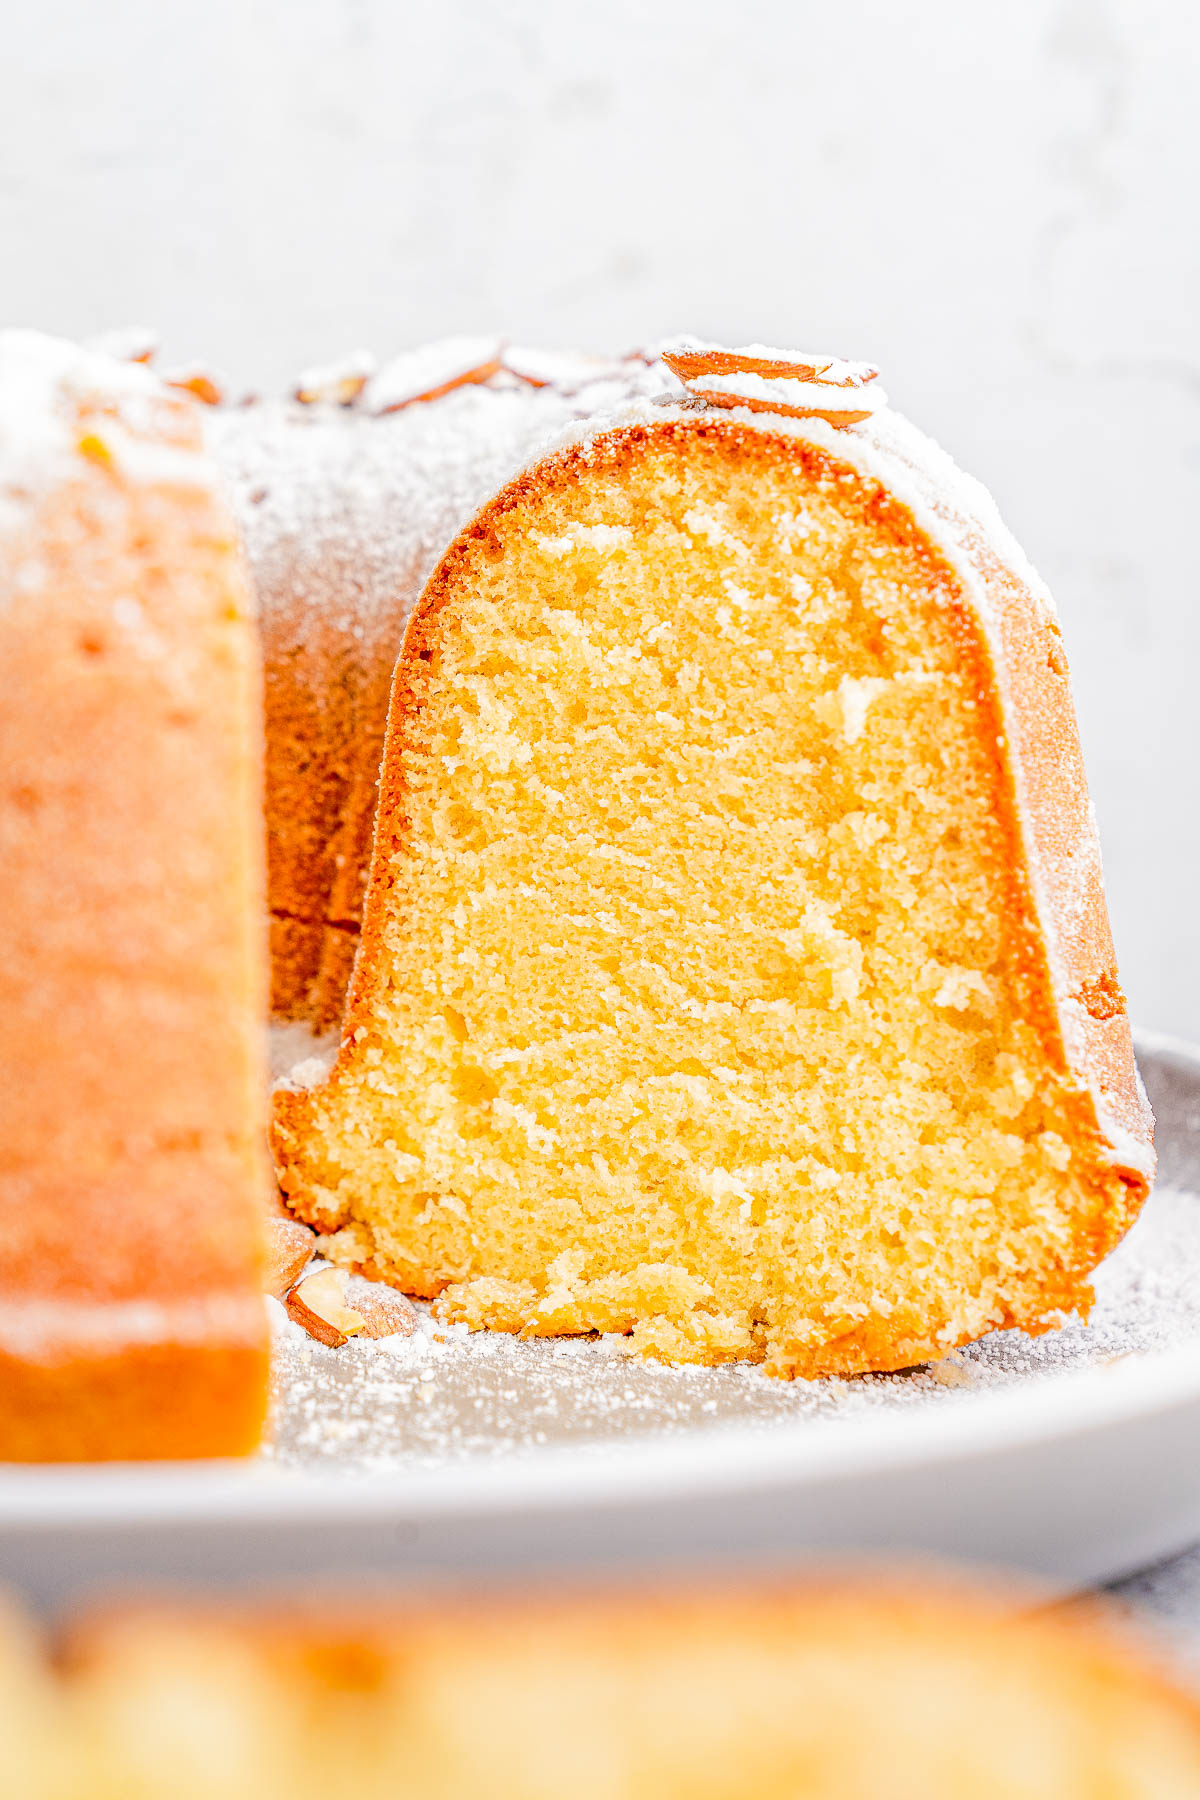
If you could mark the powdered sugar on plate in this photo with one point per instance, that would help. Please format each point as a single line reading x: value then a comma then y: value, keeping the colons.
x: 445, y: 1395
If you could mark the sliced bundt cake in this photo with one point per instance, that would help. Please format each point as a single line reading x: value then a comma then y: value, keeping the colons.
x: 735, y: 969
x: 132, y: 977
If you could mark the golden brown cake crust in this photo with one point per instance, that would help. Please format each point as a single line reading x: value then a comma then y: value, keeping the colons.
x: 1054, y: 825
x: 144, y: 1402
x: 1027, y: 731
x: 326, y: 691
x: 132, y: 1177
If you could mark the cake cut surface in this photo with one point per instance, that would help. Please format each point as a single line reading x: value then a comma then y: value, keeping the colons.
x: 825, y: 1690
x: 734, y: 932
x: 133, y: 1179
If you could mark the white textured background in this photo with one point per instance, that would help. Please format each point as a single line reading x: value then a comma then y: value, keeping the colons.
x: 997, y: 202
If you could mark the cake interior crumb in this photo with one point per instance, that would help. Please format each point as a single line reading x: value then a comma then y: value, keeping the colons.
x: 706, y: 1015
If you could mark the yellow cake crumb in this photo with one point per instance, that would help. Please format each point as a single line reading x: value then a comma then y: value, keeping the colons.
x: 701, y: 1005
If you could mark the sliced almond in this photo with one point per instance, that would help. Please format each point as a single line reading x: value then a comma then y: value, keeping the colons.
x: 790, y: 404
x: 690, y: 359
x: 291, y: 1246
x: 319, y: 1304
x: 431, y: 371
x: 338, y: 383
x: 203, y: 383
x: 385, y: 1313
x: 565, y: 370
x: 777, y: 381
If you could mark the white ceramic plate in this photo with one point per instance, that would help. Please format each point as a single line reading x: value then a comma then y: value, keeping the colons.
x: 1075, y: 1456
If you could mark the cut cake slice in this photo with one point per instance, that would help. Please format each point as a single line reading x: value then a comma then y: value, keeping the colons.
x: 735, y: 969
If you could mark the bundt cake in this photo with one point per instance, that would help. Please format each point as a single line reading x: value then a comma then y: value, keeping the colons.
x: 735, y: 971
x: 132, y: 982
x: 826, y: 1691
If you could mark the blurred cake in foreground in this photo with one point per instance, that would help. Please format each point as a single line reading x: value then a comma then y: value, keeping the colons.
x: 735, y: 970
x: 132, y: 1101
x: 831, y: 1691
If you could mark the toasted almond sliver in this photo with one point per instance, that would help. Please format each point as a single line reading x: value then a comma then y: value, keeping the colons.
x: 385, y: 1313
x: 204, y: 384
x: 338, y: 383
x: 318, y: 1304
x: 431, y: 371
x: 833, y: 414
x: 692, y: 361
x: 782, y: 382
x: 291, y: 1246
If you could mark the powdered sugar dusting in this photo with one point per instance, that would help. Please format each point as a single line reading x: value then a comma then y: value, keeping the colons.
x: 424, y: 373
x: 568, y: 370
x: 444, y: 1395
x: 347, y: 509
x: 293, y: 1049
x: 791, y: 395
x: 339, y: 511
x: 48, y: 387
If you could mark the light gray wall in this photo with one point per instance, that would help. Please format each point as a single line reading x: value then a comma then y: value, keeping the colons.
x: 997, y: 202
